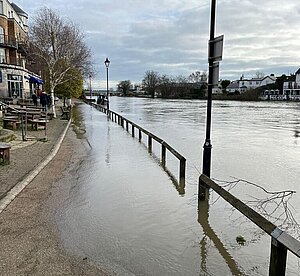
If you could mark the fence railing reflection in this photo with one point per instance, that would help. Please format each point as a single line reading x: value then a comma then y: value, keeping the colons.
x: 125, y: 123
x: 281, y: 242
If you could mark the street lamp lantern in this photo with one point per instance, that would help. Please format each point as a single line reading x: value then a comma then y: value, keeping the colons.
x: 107, y: 62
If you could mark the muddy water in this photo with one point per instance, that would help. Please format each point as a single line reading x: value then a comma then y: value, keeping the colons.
x: 126, y: 213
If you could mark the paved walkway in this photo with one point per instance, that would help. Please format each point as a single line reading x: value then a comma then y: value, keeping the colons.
x: 29, y: 238
x: 26, y: 156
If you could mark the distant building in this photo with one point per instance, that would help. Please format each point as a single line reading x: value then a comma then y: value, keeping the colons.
x: 289, y: 92
x: 246, y: 84
x: 233, y: 87
x: 16, y: 80
x: 291, y: 87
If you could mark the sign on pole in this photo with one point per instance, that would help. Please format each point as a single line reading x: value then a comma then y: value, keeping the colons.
x: 216, y: 48
x: 215, y: 73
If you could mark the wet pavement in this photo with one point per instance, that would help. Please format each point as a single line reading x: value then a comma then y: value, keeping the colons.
x: 25, y: 156
x: 29, y: 238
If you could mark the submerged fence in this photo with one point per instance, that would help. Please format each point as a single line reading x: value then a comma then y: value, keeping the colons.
x: 281, y: 242
x: 133, y: 127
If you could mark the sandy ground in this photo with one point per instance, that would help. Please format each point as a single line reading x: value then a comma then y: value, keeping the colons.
x: 29, y: 238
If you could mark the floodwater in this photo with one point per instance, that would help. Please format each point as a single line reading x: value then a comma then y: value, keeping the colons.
x: 126, y: 214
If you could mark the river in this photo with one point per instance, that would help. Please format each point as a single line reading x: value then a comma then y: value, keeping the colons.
x: 129, y: 217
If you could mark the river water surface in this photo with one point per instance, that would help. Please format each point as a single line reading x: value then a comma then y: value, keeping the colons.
x: 126, y: 214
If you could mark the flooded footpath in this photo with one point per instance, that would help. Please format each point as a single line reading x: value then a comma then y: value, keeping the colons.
x: 124, y: 212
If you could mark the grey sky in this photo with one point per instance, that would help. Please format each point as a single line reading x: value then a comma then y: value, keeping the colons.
x: 170, y: 36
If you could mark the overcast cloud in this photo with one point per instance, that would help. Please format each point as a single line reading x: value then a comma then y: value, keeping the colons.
x: 170, y: 36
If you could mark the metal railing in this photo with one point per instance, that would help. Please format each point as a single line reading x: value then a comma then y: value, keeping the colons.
x: 281, y: 242
x: 125, y: 123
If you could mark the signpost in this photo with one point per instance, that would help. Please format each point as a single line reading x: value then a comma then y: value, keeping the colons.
x: 215, y: 51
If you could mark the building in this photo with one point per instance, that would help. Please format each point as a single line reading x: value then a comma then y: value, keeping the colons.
x: 242, y: 85
x: 233, y: 87
x: 291, y: 87
x: 16, y: 81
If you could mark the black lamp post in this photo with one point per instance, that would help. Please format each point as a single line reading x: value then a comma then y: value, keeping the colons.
x: 214, y: 55
x: 207, y: 144
x: 90, y: 77
x: 107, y: 62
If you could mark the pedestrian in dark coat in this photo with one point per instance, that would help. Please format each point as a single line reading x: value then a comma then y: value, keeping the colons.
x: 44, y: 101
x: 34, y: 99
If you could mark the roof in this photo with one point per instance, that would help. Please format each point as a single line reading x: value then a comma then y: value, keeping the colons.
x: 233, y: 85
x: 298, y: 71
x: 18, y: 10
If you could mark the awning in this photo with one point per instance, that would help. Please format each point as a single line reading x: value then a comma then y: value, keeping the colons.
x: 33, y: 79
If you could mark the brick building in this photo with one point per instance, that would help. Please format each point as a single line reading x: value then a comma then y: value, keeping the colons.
x: 16, y: 80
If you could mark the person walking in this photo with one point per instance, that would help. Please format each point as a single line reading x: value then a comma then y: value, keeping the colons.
x: 34, y: 99
x: 44, y: 101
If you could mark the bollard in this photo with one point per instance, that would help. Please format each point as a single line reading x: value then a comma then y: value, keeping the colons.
x: 182, y: 172
x: 202, y: 191
x: 277, y: 259
x: 149, y: 143
x: 163, y: 155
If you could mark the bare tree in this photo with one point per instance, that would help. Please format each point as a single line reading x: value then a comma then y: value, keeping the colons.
x: 198, y: 77
x: 59, y: 47
x: 124, y: 86
x: 165, y: 86
x: 273, y: 205
x: 259, y: 74
x: 151, y: 82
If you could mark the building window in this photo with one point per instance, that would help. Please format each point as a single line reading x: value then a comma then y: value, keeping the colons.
x: 2, y: 56
x: 15, y: 85
x: 1, y: 35
x: 1, y: 7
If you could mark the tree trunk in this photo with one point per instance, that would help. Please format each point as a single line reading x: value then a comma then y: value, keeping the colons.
x: 53, y: 102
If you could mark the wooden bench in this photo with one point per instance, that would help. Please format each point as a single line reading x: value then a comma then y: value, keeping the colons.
x: 13, y: 122
x: 50, y: 115
x: 65, y: 113
x: 35, y: 123
x: 4, y: 153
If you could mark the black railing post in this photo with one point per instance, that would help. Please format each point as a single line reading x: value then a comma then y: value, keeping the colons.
x: 163, y: 155
x: 277, y: 259
x: 149, y: 143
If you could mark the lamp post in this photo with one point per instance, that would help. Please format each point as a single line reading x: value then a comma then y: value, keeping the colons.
x: 207, y: 144
x: 214, y: 56
x: 107, y: 62
x: 90, y: 77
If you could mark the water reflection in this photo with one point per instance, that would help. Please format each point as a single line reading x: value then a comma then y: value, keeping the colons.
x: 203, y: 215
x: 108, y: 147
x: 180, y: 186
x: 78, y: 122
x: 133, y: 215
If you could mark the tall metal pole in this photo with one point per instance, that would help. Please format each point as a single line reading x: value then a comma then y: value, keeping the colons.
x: 90, y: 87
x: 207, y: 145
x: 107, y: 106
x: 107, y: 62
